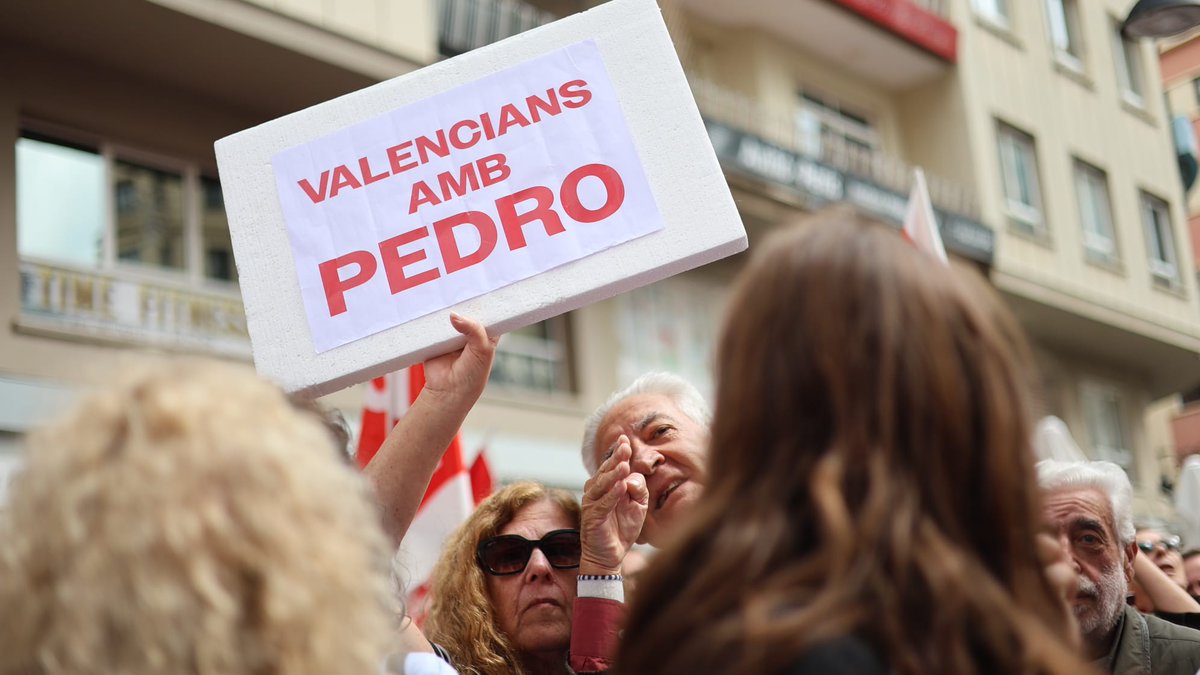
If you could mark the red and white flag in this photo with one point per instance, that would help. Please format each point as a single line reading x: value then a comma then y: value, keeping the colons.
x: 453, y: 490
x: 920, y: 225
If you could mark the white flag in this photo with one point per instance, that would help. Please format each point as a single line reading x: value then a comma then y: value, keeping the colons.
x: 920, y: 225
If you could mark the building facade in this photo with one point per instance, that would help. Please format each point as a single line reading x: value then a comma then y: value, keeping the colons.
x: 1042, y: 133
x: 1052, y: 167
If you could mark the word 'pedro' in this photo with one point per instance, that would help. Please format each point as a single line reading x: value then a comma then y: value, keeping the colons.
x: 462, y: 135
x: 514, y: 214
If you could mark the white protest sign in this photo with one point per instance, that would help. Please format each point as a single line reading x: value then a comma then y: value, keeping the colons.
x: 461, y: 193
x: 512, y: 183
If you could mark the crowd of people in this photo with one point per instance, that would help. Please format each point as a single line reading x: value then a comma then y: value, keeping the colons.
x: 863, y: 499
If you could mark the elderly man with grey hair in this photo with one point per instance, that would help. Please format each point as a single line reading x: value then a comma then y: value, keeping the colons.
x: 645, y: 449
x: 1089, y: 507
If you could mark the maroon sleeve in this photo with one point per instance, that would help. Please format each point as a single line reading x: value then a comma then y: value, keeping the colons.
x: 595, y: 633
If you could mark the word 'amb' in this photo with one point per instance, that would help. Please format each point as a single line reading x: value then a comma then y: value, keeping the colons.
x: 453, y: 259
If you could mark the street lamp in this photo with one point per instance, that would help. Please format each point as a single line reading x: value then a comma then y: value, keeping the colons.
x: 1161, y: 18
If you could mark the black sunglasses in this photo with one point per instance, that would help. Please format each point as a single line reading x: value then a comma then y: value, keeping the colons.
x: 1169, y: 544
x: 509, y: 553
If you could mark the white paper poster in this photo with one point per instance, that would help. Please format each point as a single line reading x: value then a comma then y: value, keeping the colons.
x: 460, y: 194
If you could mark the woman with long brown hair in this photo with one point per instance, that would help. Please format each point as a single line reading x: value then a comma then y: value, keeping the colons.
x: 871, y: 505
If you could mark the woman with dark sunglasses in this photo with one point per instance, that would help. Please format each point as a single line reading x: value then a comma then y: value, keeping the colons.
x: 504, y: 587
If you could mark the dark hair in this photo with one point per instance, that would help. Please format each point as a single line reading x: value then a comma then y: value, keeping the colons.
x: 870, y: 475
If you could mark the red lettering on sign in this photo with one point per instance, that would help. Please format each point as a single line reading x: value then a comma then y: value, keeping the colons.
x: 394, y: 263
x: 422, y: 194
x: 614, y: 193
x: 451, y: 188
x: 452, y: 257
x: 343, y: 178
x: 455, y: 134
x: 317, y: 196
x: 510, y: 116
x: 512, y: 222
x: 396, y: 156
x: 335, y: 286
x: 537, y: 106
x: 493, y: 169
x: 576, y: 93
x: 481, y: 173
x: 365, y: 167
x: 426, y: 144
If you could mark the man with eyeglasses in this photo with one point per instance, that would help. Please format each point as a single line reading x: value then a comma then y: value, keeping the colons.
x: 1162, y: 548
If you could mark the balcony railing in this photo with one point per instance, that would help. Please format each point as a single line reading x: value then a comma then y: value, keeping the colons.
x: 742, y: 112
x: 125, y: 307
x: 467, y: 24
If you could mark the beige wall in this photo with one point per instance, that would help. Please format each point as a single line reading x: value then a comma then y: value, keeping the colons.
x: 772, y: 73
x: 1012, y: 76
x: 405, y: 28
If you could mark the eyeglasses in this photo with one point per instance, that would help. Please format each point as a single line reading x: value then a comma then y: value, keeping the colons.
x: 1168, y: 544
x: 509, y: 553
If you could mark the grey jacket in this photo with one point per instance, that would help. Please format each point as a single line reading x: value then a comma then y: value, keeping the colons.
x: 1148, y: 645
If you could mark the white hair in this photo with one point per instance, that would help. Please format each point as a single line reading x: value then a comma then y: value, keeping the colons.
x: 681, y: 392
x: 1106, y: 477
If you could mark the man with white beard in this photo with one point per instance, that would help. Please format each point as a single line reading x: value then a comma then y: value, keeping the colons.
x: 1088, y: 506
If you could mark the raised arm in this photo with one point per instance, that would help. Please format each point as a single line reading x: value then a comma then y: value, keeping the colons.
x: 401, y: 469
x: 1164, y: 594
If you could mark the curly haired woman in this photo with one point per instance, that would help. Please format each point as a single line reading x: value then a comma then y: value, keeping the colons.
x: 504, y: 586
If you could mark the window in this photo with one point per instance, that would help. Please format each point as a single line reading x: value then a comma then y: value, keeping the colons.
x: 60, y: 202
x: 1128, y: 56
x: 1019, y: 174
x: 994, y: 11
x: 827, y: 129
x: 1195, y: 90
x: 1102, y: 413
x: 1065, y: 34
x: 536, y: 357
x: 1160, y: 240
x: 1095, y: 212
x: 214, y: 232
x: 150, y: 212
x: 103, y: 207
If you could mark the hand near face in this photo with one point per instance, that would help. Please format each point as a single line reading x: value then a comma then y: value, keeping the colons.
x: 460, y: 376
x: 615, y: 501
x: 1060, y: 572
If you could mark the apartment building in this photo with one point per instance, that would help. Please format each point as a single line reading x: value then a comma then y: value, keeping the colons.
x: 112, y: 231
x: 1050, y: 160
x: 1176, y: 421
x: 1041, y: 131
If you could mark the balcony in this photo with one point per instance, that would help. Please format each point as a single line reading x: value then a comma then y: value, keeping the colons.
x: 893, y: 44
x: 768, y: 146
x: 464, y: 25
x: 126, y: 308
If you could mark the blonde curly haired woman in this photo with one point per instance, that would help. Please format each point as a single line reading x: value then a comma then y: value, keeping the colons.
x: 187, y: 518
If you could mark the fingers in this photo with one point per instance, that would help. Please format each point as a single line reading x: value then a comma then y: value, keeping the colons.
x: 635, y: 487
x: 613, y: 469
x: 477, y: 337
